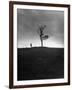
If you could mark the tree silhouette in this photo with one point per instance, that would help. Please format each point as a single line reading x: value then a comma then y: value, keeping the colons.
x: 41, y: 34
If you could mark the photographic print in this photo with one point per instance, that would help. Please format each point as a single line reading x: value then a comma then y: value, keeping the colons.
x: 40, y: 44
x: 40, y: 52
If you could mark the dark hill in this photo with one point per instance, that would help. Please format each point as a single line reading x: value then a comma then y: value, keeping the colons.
x: 40, y: 63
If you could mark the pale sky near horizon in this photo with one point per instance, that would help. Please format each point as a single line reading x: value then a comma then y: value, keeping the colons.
x: 28, y: 21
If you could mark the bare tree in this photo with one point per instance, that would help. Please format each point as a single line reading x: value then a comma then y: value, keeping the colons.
x: 41, y: 34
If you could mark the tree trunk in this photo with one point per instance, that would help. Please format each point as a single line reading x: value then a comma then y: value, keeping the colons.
x: 41, y: 42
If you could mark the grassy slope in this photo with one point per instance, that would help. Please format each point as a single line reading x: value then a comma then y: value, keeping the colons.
x: 40, y: 63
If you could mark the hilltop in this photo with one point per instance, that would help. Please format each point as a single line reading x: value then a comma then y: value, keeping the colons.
x: 40, y: 63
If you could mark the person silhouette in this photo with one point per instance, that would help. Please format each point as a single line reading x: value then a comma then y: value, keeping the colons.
x: 31, y: 45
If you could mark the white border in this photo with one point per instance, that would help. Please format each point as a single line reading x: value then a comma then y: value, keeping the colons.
x: 46, y: 81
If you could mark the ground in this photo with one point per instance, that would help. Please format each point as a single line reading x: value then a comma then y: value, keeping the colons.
x: 40, y: 63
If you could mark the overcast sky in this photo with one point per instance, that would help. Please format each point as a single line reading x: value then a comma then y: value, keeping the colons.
x: 28, y: 21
